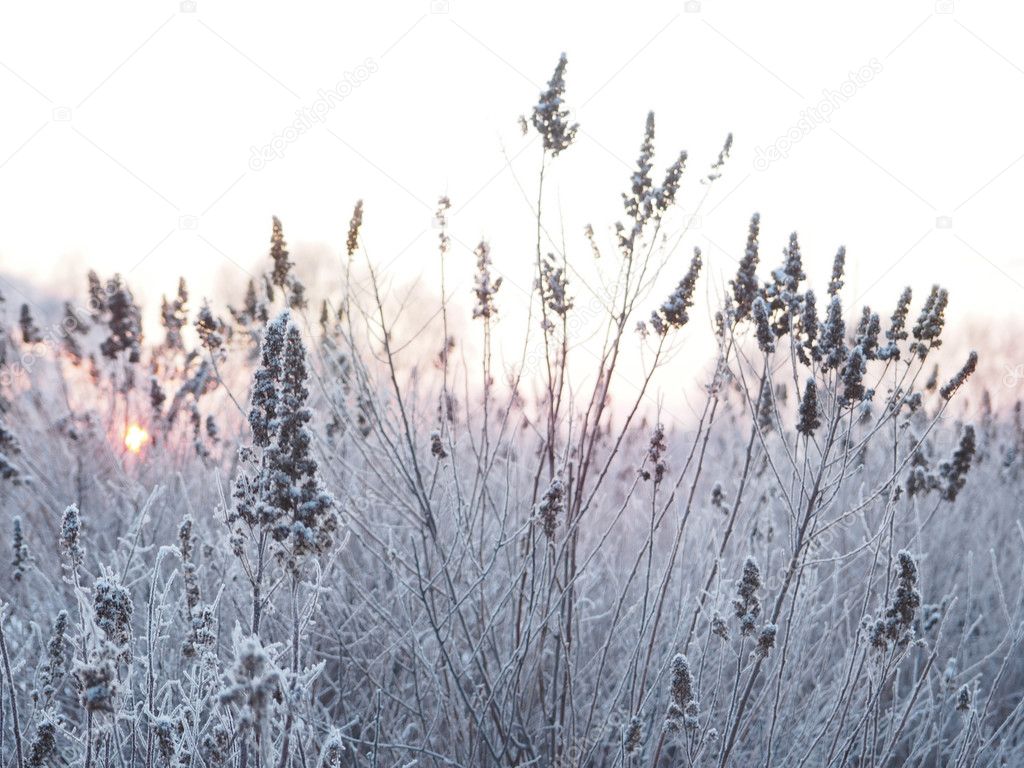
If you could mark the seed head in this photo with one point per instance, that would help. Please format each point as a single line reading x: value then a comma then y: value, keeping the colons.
x: 70, y: 536
x: 22, y: 558
x: 682, y: 708
x: 833, y: 333
x: 675, y: 310
x: 485, y: 288
x: 809, y: 327
x: 656, y: 455
x: 44, y: 746
x: 747, y: 605
x: 29, y: 332
x: 112, y: 610
x: 97, y: 678
x: 552, y: 507
x: 279, y: 254
x: 634, y: 734
x: 211, y: 330
x: 352, y: 241
x: 954, y: 472
x: 765, y: 339
x: 745, y: 286
x: 950, y: 387
x: 716, y: 167
x: 125, y: 322
x: 838, y: 267
x: 853, y: 377
x: 550, y: 117
x: 963, y: 699
x: 868, y: 331
x: 809, y: 418
x: 765, y: 640
x: 436, y: 446
x: 897, y: 624
x: 930, y: 322
x: 897, y: 330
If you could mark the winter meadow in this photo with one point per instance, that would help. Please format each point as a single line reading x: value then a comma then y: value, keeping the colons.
x: 305, y: 530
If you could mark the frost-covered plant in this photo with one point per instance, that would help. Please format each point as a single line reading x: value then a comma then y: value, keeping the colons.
x: 9, y: 448
x: 633, y: 734
x: 747, y: 605
x: 280, y: 506
x: 199, y: 617
x: 30, y: 333
x: 124, y: 320
x: 868, y: 331
x: 112, y: 612
x: 485, y: 287
x: 896, y: 626
x: 765, y: 640
x: 252, y: 683
x: 930, y: 323
x: 212, y: 331
x: 354, y: 225
x: 835, y: 283
x: 760, y: 314
x: 656, y: 456
x: 682, y: 708
x: 21, y: 559
x: 97, y: 677
x: 674, y: 312
x: 43, y: 749
x: 52, y: 671
x: 72, y: 551
x: 332, y: 754
x: 552, y: 507
x: 808, y: 327
x: 550, y: 116
x: 782, y: 294
x: 745, y: 285
x: 950, y: 387
x: 174, y: 317
x: 809, y: 415
x: 953, y: 473
x: 833, y: 337
x: 853, y: 377
x: 553, y: 287
x: 281, y: 274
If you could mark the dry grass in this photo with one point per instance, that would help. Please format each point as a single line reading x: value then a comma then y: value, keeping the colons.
x: 364, y: 560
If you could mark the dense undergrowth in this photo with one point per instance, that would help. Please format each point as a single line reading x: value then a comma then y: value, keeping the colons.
x: 321, y: 553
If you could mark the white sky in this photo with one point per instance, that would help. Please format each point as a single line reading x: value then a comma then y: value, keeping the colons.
x: 129, y: 127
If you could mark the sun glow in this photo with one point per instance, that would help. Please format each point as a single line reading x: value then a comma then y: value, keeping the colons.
x: 135, y: 437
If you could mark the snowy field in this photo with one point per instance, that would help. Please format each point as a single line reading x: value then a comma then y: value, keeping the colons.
x: 329, y: 526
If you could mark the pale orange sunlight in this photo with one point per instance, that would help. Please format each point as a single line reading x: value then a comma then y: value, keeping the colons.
x: 135, y: 437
